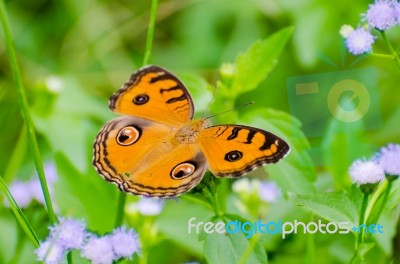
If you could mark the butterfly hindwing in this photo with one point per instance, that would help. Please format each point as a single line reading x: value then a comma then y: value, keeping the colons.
x: 176, y: 171
x: 234, y: 150
x: 140, y: 156
x: 156, y: 94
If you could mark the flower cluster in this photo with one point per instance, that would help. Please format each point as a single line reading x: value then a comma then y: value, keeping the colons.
x: 385, y: 162
x: 148, y: 206
x: 24, y: 192
x: 381, y: 15
x: 267, y: 191
x: 71, y: 234
x: 122, y: 243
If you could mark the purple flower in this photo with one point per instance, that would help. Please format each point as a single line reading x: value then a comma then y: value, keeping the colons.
x: 51, y: 172
x: 396, y: 7
x: 98, y: 250
x: 381, y: 15
x: 36, y: 192
x: 69, y: 233
x: 150, y: 206
x: 124, y: 242
x: 25, y: 192
x: 345, y: 30
x: 50, y: 252
x: 364, y: 172
x: 244, y: 185
x: 389, y: 159
x: 359, y: 41
x: 269, y: 191
x: 21, y: 192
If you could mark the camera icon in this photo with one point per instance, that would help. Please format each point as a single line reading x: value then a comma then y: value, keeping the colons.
x: 350, y: 97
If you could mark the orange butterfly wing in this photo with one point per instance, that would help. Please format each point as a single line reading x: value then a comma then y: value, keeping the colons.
x: 156, y: 150
x: 142, y: 157
x: 156, y: 94
x: 234, y: 150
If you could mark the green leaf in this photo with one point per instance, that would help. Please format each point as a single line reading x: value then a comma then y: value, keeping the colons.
x: 253, y: 66
x: 85, y: 196
x: 220, y: 248
x: 23, y: 222
x: 333, y: 206
x: 199, y: 89
x: 295, y: 173
x: 174, y: 220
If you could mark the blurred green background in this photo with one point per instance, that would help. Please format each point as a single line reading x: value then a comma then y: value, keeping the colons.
x: 75, y: 54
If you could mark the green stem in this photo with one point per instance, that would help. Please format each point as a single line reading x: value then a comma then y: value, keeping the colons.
x: 150, y: 32
x: 310, y: 245
x: 390, y: 47
x: 362, y: 219
x: 381, y: 188
x: 360, y: 236
x: 120, y: 209
x: 69, y: 257
x: 385, y: 198
x: 217, y: 207
x: 32, y: 141
x: 250, y: 249
x: 381, y: 55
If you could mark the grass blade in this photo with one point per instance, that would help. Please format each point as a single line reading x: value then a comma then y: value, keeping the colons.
x: 19, y: 214
x: 32, y: 141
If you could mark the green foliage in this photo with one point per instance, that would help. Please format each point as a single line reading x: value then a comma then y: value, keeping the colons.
x: 335, y: 207
x: 254, y: 65
x: 231, y: 248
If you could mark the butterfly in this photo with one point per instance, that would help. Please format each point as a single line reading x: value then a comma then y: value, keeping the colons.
x: 156, y: 149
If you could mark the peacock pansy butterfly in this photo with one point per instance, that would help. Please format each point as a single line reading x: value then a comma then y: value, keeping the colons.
x: 156, y: 149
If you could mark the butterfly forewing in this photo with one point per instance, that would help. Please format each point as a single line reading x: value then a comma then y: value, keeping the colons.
x: 156, y: 94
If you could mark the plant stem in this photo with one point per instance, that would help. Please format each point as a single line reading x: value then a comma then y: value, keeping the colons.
x: 32, y: 141
x: 390, y: 47
x: 120, y: 209
x: 361, y: 233
x: 250, y: 248
x: 217, y: 207
x: 69, y: 257
x: 310, y: 257
x: 150, y: 32
x: 381, y: 188
x: 362, y: 219
x: 381, y: 55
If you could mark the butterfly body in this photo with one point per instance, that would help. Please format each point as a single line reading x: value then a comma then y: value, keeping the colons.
x: 156, y: 149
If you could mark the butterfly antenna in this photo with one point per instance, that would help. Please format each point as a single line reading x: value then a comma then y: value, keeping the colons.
x: 209, y: 103
x: 233, y: 109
